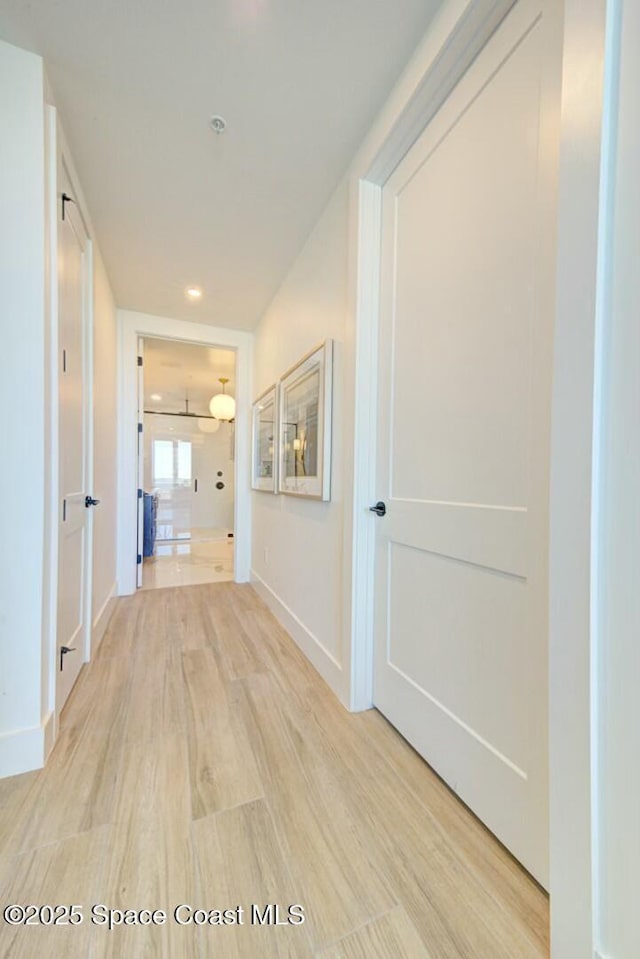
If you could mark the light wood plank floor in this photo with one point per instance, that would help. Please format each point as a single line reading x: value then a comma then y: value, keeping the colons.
x: 202, y: 761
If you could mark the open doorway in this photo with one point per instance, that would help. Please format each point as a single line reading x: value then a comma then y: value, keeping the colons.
x: 186, y: 464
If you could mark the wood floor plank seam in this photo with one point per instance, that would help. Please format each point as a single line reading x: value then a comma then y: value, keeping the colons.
x: 491, y: 840
x: 230, y: 837
x: 28, y: 817
x: 391, y: 936
x: 222, y: 766
x: 363, y: 925
x: 460, y: 865
x: 208, y: 761
x: 344, y: 884
x: 285, y: 859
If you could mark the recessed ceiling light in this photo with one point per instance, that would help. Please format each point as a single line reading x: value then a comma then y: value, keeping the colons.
x: 156, y: 396
x: 193, y: 292
x: 218, y: 124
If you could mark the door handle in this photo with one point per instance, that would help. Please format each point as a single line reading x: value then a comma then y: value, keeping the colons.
x: 195, y: 486
x: 90, y: 501
x: 379, y: 509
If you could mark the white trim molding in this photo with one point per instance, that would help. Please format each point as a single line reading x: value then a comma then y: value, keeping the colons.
x: 50, y: 726
x: 23, y: 750
x: 615, y: 608
x: 477, y: 22
x: 574, y: 481
x: 319, y: 656
x: 131, y: 325
x: 102, y: 617
x: 365, y: 442
x: 51, y: 527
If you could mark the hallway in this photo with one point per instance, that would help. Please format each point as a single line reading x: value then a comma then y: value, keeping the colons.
x: 202, y: 761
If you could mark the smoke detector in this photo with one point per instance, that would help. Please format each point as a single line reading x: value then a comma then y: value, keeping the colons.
x: 218, y: 124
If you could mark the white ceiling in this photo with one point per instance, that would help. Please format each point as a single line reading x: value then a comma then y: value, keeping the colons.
x: 174, y: 370
x: 299, y: 83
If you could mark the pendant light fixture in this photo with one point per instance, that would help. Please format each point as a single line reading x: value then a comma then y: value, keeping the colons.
x: 223, y: 406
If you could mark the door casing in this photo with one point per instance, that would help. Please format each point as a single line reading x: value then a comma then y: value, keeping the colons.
x: 66, y: 180
x: 456, y: 35
x: 132, y: 326
x: 469, y: 33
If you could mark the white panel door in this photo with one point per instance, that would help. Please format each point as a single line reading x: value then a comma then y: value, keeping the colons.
x: 212, y: 464
x: 465, y: 362
x: 73, y: 596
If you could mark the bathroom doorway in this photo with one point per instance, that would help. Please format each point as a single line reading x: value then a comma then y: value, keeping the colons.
x: 187, y: 464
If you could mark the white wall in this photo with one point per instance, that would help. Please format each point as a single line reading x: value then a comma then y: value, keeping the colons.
x: 297, y: 556
x: 28, y: 305
x: 22, y: 478
x: 618, y: 795
x: 595, y: 531
x: 105, y: 431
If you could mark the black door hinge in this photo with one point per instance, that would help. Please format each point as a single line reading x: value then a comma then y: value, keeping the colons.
x: 139, y: 494
x: 63, y: 652
x: 66, y: 199
x: 139, y: 427
x: 140, y: 361
x: 139, y: 559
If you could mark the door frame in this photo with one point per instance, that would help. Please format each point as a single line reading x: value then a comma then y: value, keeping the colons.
x: 58, y: 157
x: 131, y: 325
x: 585, y: 28
x: 464, y: 29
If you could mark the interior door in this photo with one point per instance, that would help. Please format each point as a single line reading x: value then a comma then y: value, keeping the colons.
x: 73, y: 595
x: 212, y: 513
x: 464, y: 411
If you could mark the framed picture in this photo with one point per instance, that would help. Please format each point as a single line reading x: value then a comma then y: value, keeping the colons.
x: 304, y: 405
x: 265, y: 445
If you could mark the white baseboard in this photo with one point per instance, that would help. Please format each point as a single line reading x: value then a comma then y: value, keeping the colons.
x: 101, y: 620
x: 320, y: 657
x: 50, y: 734
x: 26, y: 749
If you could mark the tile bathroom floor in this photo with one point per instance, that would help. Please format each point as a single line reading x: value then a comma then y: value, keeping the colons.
x: 191, y: 562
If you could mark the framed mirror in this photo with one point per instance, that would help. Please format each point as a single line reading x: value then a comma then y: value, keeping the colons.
x: 265, y: 446
x: 305, y: 425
